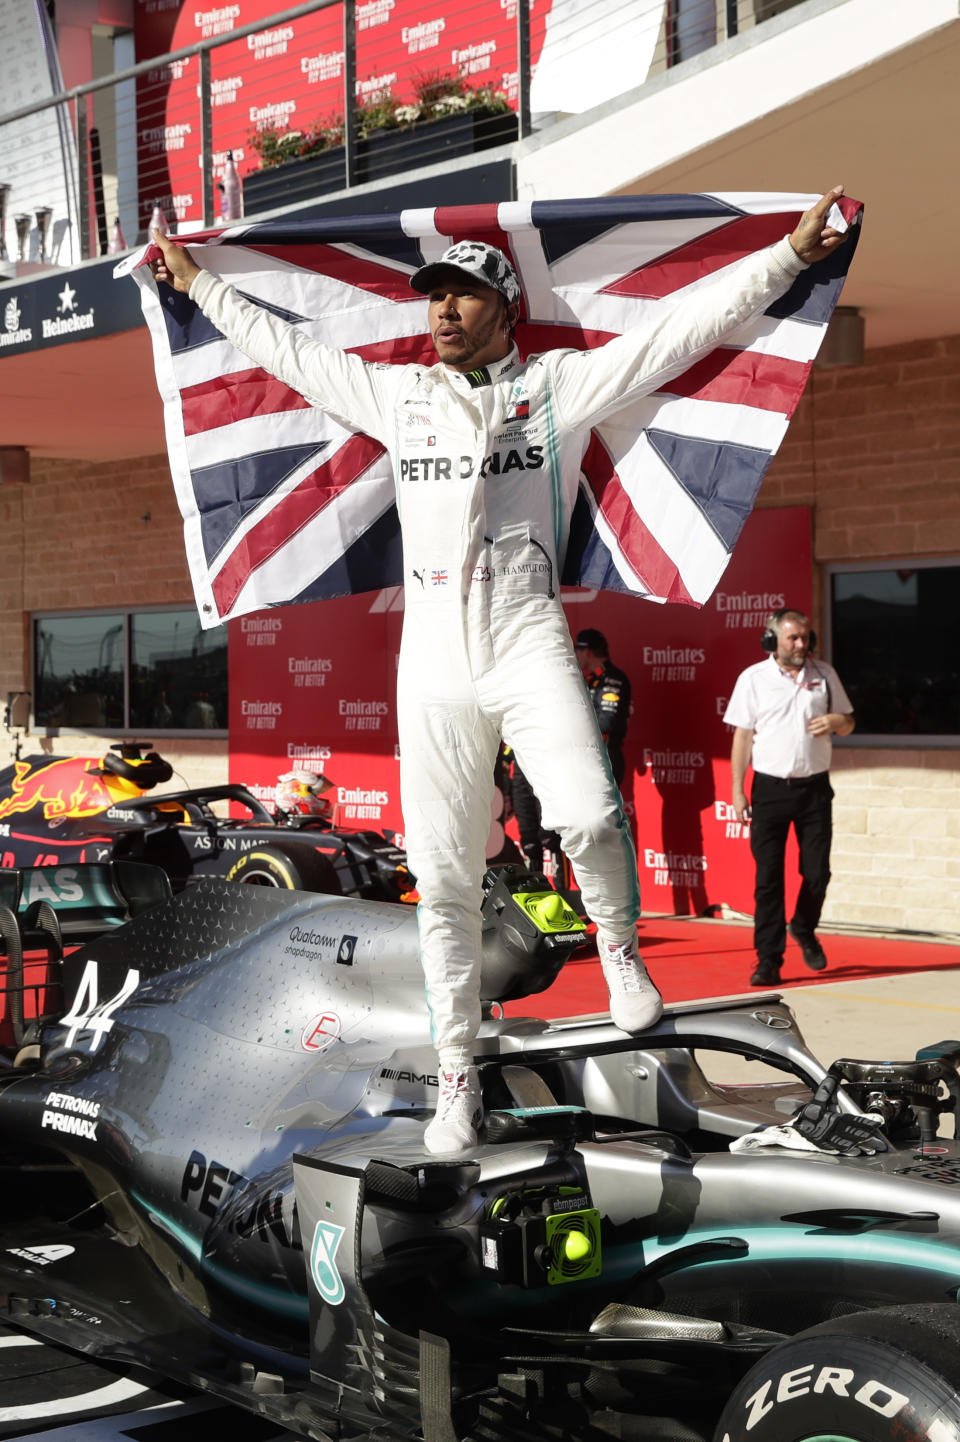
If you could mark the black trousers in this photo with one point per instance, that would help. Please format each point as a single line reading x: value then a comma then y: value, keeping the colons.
x: 533, y: 839
x: 618, y: 762
x: 775, y: 805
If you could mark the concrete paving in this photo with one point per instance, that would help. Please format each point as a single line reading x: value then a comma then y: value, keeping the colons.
x: 885, y: 1018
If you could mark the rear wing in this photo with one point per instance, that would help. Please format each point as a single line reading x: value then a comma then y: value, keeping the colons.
x: 90, y: 897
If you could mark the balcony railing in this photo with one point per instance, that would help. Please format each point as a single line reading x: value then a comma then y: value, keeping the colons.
x: 331, y: 80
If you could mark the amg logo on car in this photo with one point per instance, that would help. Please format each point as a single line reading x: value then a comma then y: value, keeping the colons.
x: 389, y: 1073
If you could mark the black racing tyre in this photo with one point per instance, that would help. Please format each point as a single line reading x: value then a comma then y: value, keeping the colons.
x: 879, y: 1376
x: 291, y: 868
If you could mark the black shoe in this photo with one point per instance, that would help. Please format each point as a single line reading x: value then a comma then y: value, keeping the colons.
x: 766, y: 974
x: 814, y: 955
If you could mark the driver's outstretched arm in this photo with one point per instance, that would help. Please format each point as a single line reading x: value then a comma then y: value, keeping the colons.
x: 361, y: 396
x: 593, y: 384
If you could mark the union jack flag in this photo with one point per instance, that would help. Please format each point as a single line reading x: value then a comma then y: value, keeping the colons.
x: 281, y: 504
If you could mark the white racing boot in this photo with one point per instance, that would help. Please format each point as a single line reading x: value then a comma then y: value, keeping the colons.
x: 459, y: 1110
x: 635, y: 1003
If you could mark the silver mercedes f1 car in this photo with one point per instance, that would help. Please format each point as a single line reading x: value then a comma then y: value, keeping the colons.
x: 228, y: 1094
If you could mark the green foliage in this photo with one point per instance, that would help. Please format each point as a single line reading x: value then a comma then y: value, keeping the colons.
x: 431, y: 86
x: 274, y: 146
x: 438, y: 95
x: 377, y: 113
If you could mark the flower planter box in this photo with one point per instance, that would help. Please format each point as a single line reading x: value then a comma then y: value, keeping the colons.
x: 295, y: 180
x: 389, y: 152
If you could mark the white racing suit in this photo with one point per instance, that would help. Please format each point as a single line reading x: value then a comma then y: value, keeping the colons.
x: 487, y: 468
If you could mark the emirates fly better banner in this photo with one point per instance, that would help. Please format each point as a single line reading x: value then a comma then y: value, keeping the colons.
x: 289, y: 76
x: 314, y: 685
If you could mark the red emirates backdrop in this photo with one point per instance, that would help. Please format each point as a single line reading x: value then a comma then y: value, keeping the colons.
x: 314, y: 686
x: 290, y: 76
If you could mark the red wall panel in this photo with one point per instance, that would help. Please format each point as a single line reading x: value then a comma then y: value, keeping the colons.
x: 291, y: 76
x: 314, y: 685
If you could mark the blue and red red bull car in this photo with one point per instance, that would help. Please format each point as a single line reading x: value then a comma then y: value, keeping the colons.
x: 57, y: 811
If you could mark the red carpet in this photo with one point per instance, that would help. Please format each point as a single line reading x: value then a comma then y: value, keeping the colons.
x: 692, y: 958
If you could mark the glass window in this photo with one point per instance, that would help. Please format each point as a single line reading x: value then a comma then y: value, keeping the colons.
x: 178, y: 673
x: 891, y: 644
x: 78, y: 671
x: 146, y: 671
x: 692, y: 28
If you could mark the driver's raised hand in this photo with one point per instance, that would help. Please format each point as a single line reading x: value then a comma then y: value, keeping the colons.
x: 177, y: 267
x: 813, y: 239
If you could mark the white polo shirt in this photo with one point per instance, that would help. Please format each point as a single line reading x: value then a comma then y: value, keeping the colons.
x: 777, y: 705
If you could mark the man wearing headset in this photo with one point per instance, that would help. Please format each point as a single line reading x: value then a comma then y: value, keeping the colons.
x: 784, y: 711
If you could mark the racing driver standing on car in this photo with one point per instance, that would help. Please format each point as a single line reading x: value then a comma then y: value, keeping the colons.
x: 486, y: 452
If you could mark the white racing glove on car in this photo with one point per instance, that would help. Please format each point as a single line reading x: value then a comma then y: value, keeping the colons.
x: 821, y: 1127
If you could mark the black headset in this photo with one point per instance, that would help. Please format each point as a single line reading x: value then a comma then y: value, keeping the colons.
x: 769, y: 643
x: 769, y: 638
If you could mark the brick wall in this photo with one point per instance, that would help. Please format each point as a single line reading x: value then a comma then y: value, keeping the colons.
x: 896, y: 852
x: 92, y: 534
x: 102, y: 534
x: 876, y: 452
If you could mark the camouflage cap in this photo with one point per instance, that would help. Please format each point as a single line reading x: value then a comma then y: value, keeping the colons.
x: 478, y: 261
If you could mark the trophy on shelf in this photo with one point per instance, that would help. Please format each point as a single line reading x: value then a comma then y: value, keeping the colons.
x: 23, y: 223
x: 43, y: 214
x: 4, y: 192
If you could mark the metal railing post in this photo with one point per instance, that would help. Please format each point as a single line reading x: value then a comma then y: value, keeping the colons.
x: 206, y: 139
x: 523, y: 68
x: 350, y: 92
x: 83, y: 178
x: 353, y: 144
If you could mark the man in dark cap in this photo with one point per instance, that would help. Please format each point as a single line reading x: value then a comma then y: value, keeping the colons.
x: 609, y: 689
x: 486, y: 450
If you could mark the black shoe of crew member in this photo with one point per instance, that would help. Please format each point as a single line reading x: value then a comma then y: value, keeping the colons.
x: 609, y: 689
x: 813, y: 953
x: 533, y: 839
x: 767, y: 973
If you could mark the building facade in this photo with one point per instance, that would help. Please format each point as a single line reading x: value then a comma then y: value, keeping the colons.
x: 858, y: 91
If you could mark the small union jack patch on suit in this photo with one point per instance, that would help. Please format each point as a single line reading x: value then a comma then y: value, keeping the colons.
x: 438, y: 578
